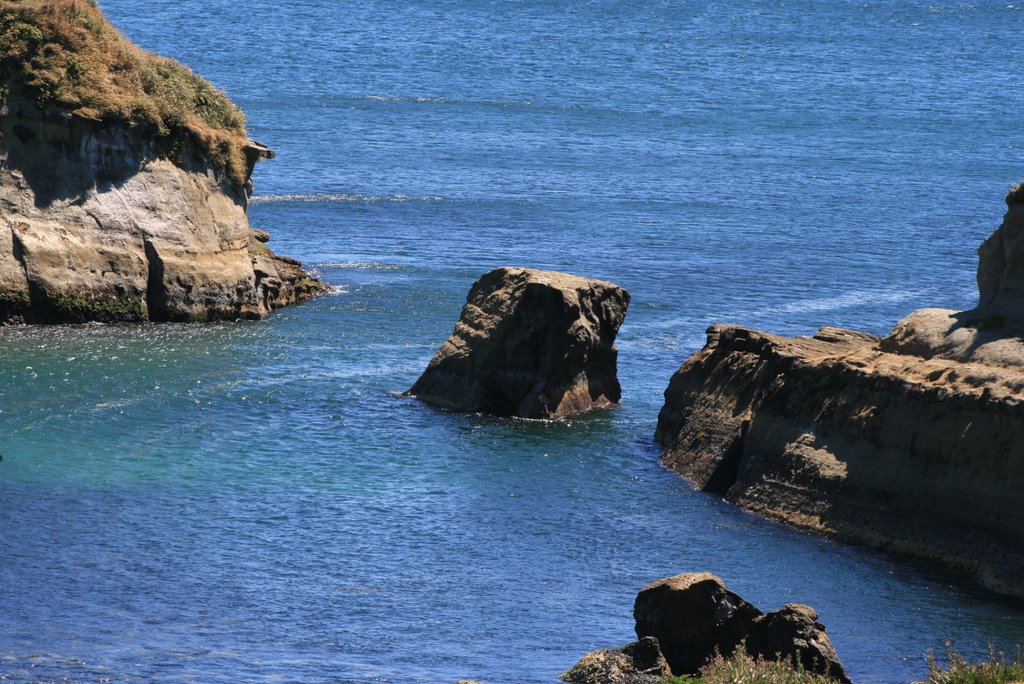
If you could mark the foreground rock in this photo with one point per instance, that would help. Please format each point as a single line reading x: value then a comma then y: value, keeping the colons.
x: 694, y: 617
x: 640, y: 662
x: 684, y: 621
x: 119, y: 202
x: 913, y: 443
x: 529, y: 343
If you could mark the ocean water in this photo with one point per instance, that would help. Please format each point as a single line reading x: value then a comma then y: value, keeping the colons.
x: 254, y: 502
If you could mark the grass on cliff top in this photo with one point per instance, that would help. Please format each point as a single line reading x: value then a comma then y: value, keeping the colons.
x: 66, y: 55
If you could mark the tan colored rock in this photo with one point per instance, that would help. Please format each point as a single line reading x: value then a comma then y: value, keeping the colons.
x: 96, y: 225
x: 919, y: 456
x: 913, y: 443
x: 1001, y: 262
x: 640, y: 662
x: 530, y: 343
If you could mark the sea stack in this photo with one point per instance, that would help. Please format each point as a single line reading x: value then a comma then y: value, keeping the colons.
x: 532, y: 344
x: 913, y: 443
x: 124, y: 182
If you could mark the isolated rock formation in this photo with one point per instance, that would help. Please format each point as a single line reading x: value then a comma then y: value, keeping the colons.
x: 120, y: 198
x: 684, y: 621
x: 913, y: 443
x: 640, y: 662
x: 529, y: 343
x: 694, y: 617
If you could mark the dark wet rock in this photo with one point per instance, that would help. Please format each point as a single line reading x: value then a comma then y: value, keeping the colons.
x: 793, y: 633
x: 695, y: 617
x: 692, y: 616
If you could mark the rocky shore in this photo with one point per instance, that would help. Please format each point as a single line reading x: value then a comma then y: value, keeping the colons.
x: 913, y: 443
x: 124, y: 183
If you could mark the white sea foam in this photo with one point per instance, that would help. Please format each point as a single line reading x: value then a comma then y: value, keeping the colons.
x: 361, y: 265
x: 844, y: 301
x: 340, y: 197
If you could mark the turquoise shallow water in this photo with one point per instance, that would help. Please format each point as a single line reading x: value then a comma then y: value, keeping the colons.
x: 253, y: 502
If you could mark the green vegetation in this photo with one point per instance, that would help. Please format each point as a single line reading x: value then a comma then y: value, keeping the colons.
x: 81, y: 309
x: 742, y: 668
x: 65, y: 55
x: 998, y: 669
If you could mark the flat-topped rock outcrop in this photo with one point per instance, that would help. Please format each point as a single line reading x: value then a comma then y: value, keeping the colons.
x: 124, y: 182
x: 913, y: 443
x: 684, y: 621
x: 532, y: 344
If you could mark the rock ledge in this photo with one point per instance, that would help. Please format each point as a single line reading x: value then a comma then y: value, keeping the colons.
x: 913, y: 443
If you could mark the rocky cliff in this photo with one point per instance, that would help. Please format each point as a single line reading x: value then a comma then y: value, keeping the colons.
x: 913, y: 443
x: 124, y: 182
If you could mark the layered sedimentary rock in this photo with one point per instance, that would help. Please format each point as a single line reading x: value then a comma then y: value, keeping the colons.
x: 684, y: 621
x: 529, y: 343
x: 913, y: 443
x: 127, y: 208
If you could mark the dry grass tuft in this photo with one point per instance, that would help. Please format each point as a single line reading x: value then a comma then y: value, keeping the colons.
x: 998, y: 669
x: 64, y: 54
x: 742, y: 668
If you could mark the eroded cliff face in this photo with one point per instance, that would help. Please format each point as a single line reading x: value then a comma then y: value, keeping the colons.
x: 913, y: 443
x: 98, y: 223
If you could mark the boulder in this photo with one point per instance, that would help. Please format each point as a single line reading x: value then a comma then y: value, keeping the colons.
x: 793, y: 633
x: 695, y: 617
x: 692, y: 616
x: 640, y: 662
x: 529, y: 343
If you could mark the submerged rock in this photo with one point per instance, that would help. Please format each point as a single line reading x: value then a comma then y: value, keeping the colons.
x: 529, y: 343
x: 640, y: 662
x: 913, y: 443
x: 120, y: 201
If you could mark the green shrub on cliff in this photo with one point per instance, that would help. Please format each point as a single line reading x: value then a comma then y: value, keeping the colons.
x: 65, y: 55
x: 998, y: 669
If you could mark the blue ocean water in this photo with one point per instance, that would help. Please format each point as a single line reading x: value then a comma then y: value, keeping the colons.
x: 253, y: 501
